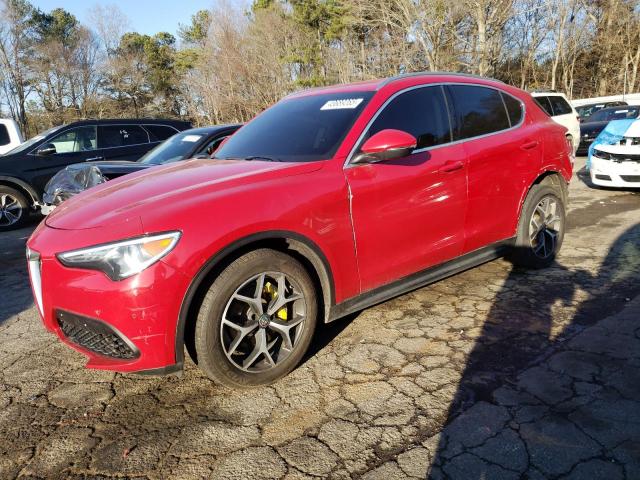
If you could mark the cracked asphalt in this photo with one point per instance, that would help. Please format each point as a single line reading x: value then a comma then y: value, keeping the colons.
x: 495, y: 373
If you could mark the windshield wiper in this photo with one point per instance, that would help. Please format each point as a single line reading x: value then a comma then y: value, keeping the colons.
x: 264, y: 159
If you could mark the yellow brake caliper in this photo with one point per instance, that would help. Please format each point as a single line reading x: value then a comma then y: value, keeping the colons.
x: 271, y: 290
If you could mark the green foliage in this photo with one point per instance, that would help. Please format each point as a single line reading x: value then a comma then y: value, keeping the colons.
x: 196, y: 32
x: 58, y: 25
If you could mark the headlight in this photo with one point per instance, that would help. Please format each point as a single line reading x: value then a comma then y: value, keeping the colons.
x: 120, y: 260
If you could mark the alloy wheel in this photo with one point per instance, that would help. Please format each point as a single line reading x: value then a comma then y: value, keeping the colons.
x: 10, y: 210
x: 544, y: 227
x: 262, y: 322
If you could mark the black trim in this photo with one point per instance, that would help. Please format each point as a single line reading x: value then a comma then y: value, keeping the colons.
x: 228, y: 250
x: 420, y: 279
x: 175, y: 369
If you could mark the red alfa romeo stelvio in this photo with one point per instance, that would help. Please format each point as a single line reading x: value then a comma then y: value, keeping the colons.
x: 330, y: 201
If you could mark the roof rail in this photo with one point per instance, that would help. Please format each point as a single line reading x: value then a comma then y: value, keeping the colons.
x: 419, y: 74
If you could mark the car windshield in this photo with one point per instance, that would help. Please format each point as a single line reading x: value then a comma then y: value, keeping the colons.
x: 173, y: 149
x: 301, y: 129
x: 618, y: 113
x: 33, y: 140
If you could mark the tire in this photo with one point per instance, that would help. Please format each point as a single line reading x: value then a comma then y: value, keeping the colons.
x: 226, y: 353
x: 545, y: 206
x: 14, y: 209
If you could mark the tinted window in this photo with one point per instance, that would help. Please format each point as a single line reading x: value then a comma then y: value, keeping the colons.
x: 620, y: 113
x: 158, y: 133
x: 479, y: 111
x: 80, y: 139
x: 298, y: 129
x: 544, y: 103
x: 422, y: 112
x: 212, y: 146
x: 176, y: 148
x: 514, y: 109
x: 559, y: 105
x: 4, y: 135
x: 121, y: 135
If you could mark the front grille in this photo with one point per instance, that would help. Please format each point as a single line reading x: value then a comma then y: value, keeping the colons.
x: 630, y: 141
x: 95, y: 336
x: 617, y: 157
x: 631, y: 178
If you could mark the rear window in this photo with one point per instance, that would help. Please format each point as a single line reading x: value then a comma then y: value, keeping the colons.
x: 544, y: 104
x: 559, y: 105
x: 159, y: 133
x: 110, y: 136
x: 4, y: 135
x: 479, y: 111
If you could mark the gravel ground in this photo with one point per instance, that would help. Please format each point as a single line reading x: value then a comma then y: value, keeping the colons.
x: 494, y: 373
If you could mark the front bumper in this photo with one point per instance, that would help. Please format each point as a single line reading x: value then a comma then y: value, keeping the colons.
x: 608, y: 173
x: 125, y: 326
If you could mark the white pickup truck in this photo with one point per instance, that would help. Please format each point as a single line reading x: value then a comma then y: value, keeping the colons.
x: 10, y: 136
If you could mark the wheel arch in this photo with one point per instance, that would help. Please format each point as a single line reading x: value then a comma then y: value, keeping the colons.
x: 20, y: 185
x: 300, y: 247
x: 551, y: 177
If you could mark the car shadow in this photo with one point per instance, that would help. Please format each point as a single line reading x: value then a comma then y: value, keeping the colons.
x: 505, y: 372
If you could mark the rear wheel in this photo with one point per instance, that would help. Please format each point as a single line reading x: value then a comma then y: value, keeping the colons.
x: 14, y: 208
x: 541, y: 227
x: 256, y: 321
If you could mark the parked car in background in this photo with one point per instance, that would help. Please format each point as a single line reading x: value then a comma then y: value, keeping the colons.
x: 585, y: 111
x: 596, y: 123
x: 615, y: 156
x: 193, y: 143
x: 330, y: 201
x: 25, y: 170
x: 10, y: 136
x: 560, y: 110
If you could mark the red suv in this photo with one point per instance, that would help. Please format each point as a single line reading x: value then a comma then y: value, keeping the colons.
x: 330, y: 201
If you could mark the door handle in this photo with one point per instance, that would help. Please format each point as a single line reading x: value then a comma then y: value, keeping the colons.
x: 93, y: 159
x: 529, y: 145
x: 451, y: 166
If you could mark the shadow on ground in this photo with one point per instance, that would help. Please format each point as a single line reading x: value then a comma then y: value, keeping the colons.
x: 524, y: 411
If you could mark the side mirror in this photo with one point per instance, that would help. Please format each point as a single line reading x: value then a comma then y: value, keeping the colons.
x: 386, y: 145
x: 47, y: 149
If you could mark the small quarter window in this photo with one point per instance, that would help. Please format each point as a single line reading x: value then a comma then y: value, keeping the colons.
x: 514, y: 109
x: 81, y: 139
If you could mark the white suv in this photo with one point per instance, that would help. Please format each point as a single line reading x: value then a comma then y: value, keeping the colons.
x: 10, y: 136
x: 559, y: 108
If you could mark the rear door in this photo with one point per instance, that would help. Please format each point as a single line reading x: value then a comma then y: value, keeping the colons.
x: 74, y: 145
x: 123, y: 141
x: 503, y: 150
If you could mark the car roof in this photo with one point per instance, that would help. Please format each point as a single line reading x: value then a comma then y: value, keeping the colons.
x: 211, y: 129
x: 377, y: 84
x: 130, y: 121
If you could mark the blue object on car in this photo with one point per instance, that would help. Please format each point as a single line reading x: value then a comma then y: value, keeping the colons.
x: 612, y: 134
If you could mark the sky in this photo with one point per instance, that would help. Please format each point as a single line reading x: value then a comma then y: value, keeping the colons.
x: 145, y: 16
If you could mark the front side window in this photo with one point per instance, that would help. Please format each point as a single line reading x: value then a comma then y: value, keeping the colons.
x: 479, y: 111
x: 559, y: 105
x: 80, y: 139
x: 111, y: 136
x: 298, y: 129
x: 4, y: 135
x: 422, y: 112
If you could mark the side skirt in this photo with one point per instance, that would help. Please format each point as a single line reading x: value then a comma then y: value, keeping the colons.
x: 420, y: 279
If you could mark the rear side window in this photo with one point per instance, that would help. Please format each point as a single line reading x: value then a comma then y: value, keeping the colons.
x: 159, y: 133
x: 514, y: 109
x: 544, y: 104
x: 479, y: 111
x: 110, y: 136
x: 422, y: 112
x: 559, y: 105
x: 4, y: 136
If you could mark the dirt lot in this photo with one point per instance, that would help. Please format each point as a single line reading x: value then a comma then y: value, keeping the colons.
x: 495, y: 373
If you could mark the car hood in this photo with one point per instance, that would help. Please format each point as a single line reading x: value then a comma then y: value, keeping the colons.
x: 118, y: 167
x: 127, y: 198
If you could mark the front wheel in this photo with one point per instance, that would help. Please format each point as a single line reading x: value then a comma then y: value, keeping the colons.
x: 541, y: 227
x: 257, y: 320
x: 14, y: 208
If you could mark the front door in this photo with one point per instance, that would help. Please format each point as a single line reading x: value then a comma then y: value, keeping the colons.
x: 408, y: 214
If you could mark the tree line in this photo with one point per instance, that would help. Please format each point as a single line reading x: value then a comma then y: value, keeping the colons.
x: 231, y: 62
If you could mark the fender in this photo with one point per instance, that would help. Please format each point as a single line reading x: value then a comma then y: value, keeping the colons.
x: 22, y: 184
x: 295, y: 241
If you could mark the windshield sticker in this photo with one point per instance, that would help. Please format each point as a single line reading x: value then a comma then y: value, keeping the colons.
x: 345, y: 104
x: 622, y: 111
x: 191, y: 138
